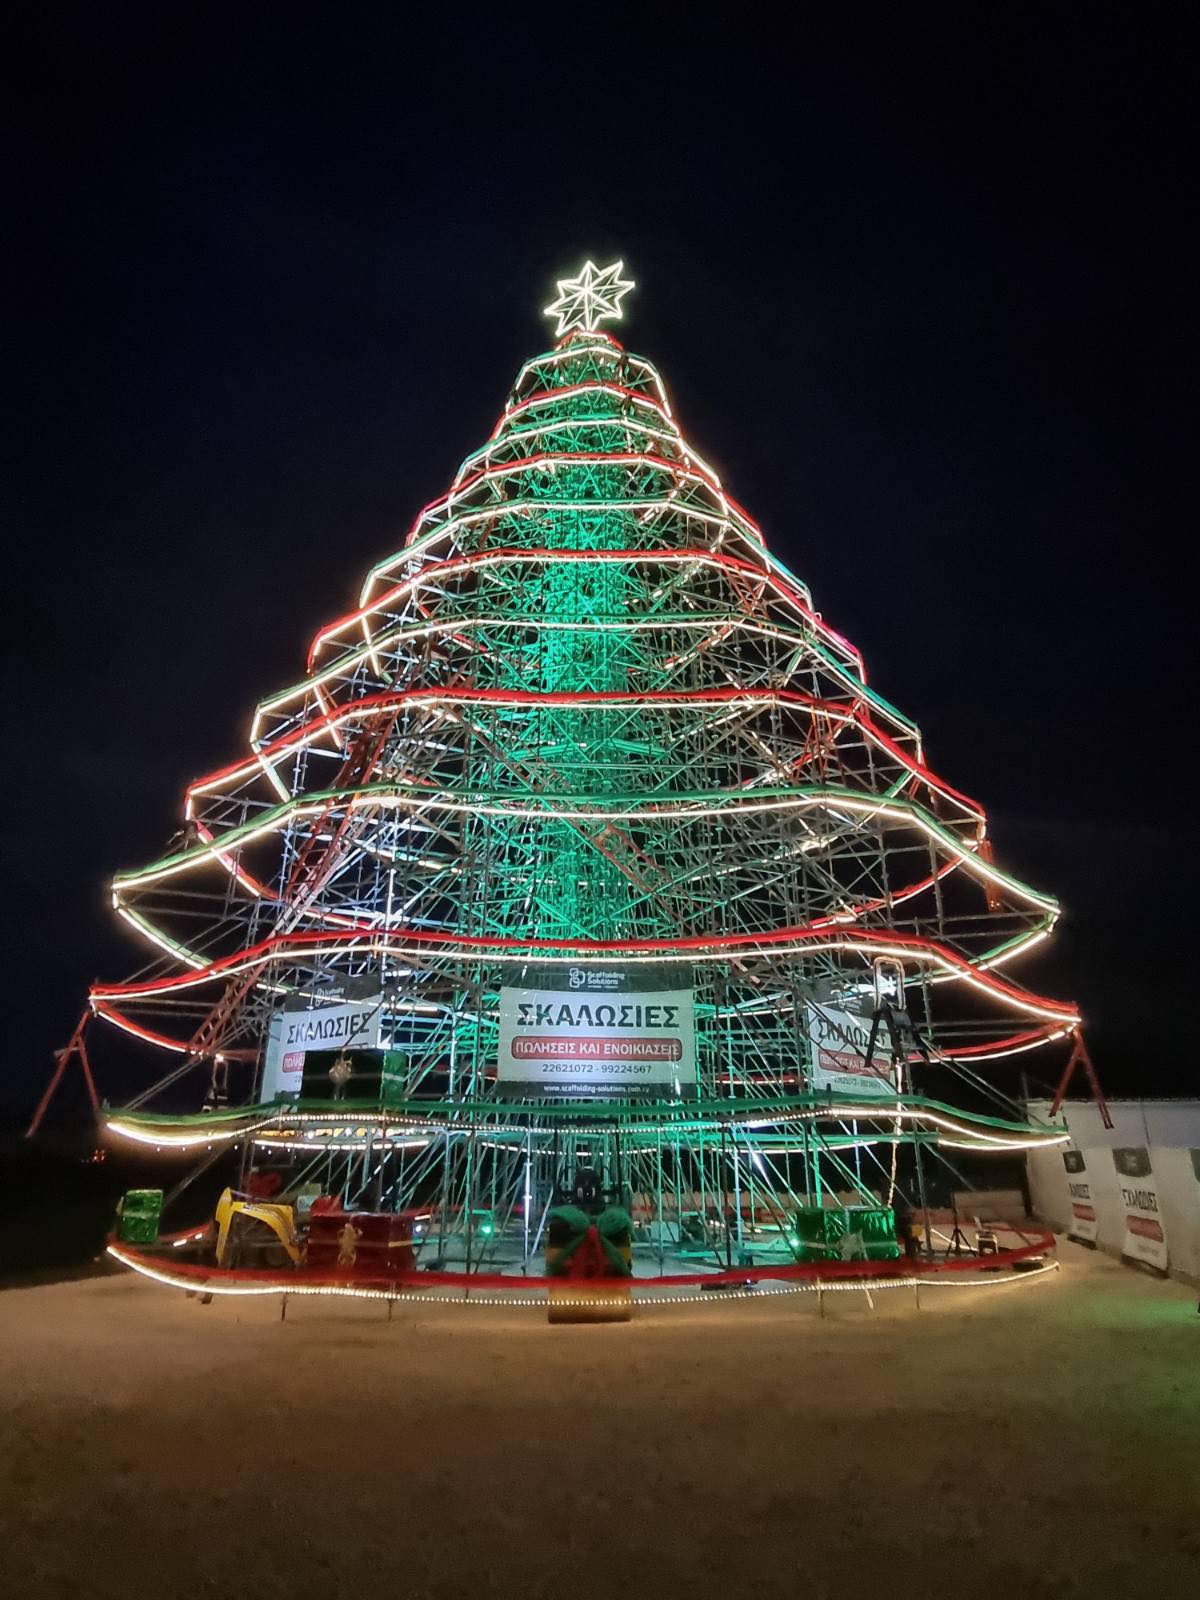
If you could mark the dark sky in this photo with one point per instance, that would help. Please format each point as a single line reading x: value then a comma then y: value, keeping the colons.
x: 921, y: 285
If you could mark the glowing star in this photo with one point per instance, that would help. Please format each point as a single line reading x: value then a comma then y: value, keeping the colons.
x: 590, y: 299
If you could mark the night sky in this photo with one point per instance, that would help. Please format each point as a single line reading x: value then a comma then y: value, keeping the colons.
x: 921, y: 287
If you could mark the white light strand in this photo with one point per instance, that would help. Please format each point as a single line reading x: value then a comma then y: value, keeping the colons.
x: 558, y: 1301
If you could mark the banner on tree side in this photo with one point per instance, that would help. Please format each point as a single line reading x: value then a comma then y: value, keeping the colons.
x: 838, y: 1042
x: 1145, y: 1237
x: 595, y: 1031
x: 353, y: 1025
x: 1085, y: 1222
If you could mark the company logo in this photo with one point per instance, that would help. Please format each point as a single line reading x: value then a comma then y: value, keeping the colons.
x: 603, y: 978
x: 1134, y: 1163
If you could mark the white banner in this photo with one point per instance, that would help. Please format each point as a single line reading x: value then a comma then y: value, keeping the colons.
x: 597, y: 1030
x: 838, y: 1043
x: 1085, y: 1221
x: 352, y: 1025
x: 1145, y: 1237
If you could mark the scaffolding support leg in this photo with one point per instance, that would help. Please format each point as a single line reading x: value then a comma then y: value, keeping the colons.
x: 1080, y: 1057
x: 75, y: 1046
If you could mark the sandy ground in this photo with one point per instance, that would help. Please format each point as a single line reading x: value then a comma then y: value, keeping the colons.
x: 1036, y: 1439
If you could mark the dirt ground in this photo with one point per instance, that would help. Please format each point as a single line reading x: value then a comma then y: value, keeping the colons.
x: 1038, y: 1438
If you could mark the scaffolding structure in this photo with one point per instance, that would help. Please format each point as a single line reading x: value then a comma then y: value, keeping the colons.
x: 584, y: 716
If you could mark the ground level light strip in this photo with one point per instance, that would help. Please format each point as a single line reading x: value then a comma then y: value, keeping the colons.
x: 734, y: 1283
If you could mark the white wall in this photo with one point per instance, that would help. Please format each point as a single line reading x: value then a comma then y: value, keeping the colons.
x: 1169, y: 1129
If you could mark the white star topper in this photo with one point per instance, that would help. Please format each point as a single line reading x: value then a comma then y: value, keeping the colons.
x: 590, y: 299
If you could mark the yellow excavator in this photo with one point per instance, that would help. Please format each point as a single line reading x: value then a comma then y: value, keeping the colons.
x: 255, y: 1233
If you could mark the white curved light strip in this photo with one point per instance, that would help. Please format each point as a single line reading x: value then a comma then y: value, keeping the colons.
x: 1016, y: 1049
x: 99, y: 1009
x: 183, y: 1139
x: 447, y: 950
x: 737, y: 622
x: 147, y: 930
x: 418, y: 699
x: 442, y: 509
x: 434, y: 575
x: 740, y: 802
x: 669, y: 436
x: 568, y: 351
x: 421, y: 550
x: 540, y: 1301
x: 572, y: 391
x: 332, y: 920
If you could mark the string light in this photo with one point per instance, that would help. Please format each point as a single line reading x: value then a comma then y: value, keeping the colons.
x: 606, y: 348
x: 482, y: 561
x: 213, y: 1286
x: 684, y: 806
x: 701, y: 948
x: 851, y: 714
x: 283, y: 1129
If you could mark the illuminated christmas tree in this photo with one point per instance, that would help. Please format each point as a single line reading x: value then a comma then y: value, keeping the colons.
x: 583, y: 858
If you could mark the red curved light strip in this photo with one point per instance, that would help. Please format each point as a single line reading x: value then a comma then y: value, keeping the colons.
x: 195, y: 1275
x: 542, y: 396
x: 278, y: 945
x: 568, y: 390
x: 999, y: 1047
x: 531, y: 697
x: 720, y: 558
x: 522, y: 697
x: 674, y: 469
x: 336, y: 919
x: 164, y: 1041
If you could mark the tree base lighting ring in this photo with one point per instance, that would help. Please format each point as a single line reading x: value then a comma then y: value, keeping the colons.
x: 498, y: 1289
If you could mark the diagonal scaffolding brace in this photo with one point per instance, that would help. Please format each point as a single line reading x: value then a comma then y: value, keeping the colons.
x: 76, y: 1045
x: 1079, y: 1057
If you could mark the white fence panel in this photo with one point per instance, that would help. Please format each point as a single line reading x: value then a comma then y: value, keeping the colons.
x: 1168, y: 1129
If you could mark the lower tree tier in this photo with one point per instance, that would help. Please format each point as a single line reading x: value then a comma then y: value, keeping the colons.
x: 774, y: 1124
